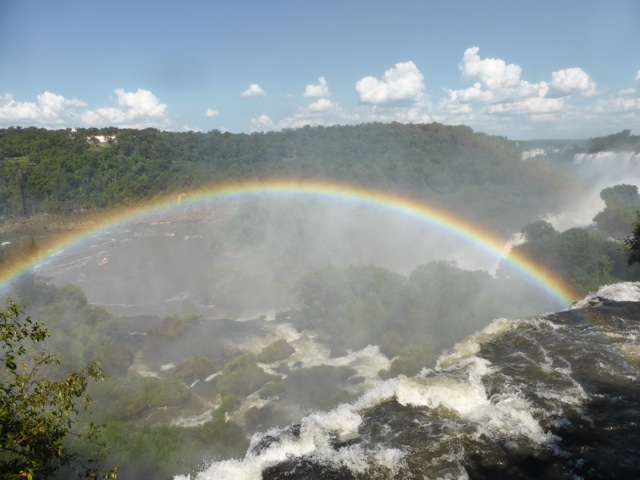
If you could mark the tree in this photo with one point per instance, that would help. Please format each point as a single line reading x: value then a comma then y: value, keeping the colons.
x: 39, y: 417
x: 621, y: 203
x: 538, y: 230
x: 620, y: 196
x: 632, y: 242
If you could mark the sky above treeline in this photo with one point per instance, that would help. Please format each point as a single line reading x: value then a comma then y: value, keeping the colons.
x: 523, y: 69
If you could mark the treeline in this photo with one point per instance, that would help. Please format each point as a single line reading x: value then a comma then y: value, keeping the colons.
x: 620, y: 142
x: 562, y: 151
x: 473, y: 174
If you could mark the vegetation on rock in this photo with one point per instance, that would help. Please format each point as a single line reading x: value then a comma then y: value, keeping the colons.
x: 278, y: 350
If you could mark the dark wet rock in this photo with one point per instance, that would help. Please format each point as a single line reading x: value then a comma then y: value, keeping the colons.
x: 267, y: 440
x: 307, y: 469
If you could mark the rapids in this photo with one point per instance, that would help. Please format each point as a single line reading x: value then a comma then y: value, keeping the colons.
x: 553, y: 396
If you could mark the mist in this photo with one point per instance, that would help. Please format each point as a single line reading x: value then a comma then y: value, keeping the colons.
x: 594, y: 172
x: 244, y: 257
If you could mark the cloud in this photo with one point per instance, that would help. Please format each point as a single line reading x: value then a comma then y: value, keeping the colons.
x: 324, y: 112
x: 402, y: 83
x: 500, y: 82
x: 492, y: 72
x: 133, y: 109
x: 526, y: 106
x: 140, y: 108
x: 496, y: 80
x: 141, y: 103
x: 322, y: 105
x: 212, y: 113
x: 50, y: 109
x: 619, y: 104
x: 321, y: 112
x: 501, y: 101
x: 12, y: 110
x: 317, y: 91
x: 626, y: 101
x: 262, y: 124
x: 571, y: 81
x: 254, y: 90
x: 413, y: 114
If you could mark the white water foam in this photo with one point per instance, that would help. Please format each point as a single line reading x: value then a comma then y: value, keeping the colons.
x: 309, y: 352
x: 458, y: 389
x: 315, y: 440
x: 470, y: 346
x: 141, y: 368
x: 618, y: 292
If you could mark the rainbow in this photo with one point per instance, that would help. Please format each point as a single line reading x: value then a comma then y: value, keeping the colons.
x: 391, y: 202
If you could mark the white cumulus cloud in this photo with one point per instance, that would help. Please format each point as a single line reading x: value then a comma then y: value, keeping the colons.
x: 492, y: 72
x: 496, y: 80
x: 262, y: 124
x: 527, y: 106
x: 620, y: 104
x: 140, y: 103
x: 53, y: 105
x: 254, y: 90
x: 570, y: 81
x: 321, y: 105
x: 501, y: 100
x: 626, y: 102
x: 139, y: 108
x: 320, y: 90
x: 10, y: 109
x: 50, y: 109
x: 211, y: 113
x: 403, y: 82
x: 321, y: 112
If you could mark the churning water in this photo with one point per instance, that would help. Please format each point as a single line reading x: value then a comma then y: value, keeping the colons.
x: 554, y: 396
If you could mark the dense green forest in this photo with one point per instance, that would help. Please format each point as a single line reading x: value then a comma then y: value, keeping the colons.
x: 474, y: 175
x: 620, y: 142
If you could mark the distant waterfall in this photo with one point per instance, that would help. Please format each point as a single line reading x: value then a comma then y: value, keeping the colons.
x: 624, y: 160
x: 620, y: 165
x: 605, y: 169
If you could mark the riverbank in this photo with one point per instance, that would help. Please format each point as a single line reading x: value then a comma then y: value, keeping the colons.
x: 45, y: 223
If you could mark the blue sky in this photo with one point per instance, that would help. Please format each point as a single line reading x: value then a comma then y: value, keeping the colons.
x: 523, y: 69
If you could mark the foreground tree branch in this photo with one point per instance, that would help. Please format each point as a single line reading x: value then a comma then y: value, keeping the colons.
x: 40, y: 417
